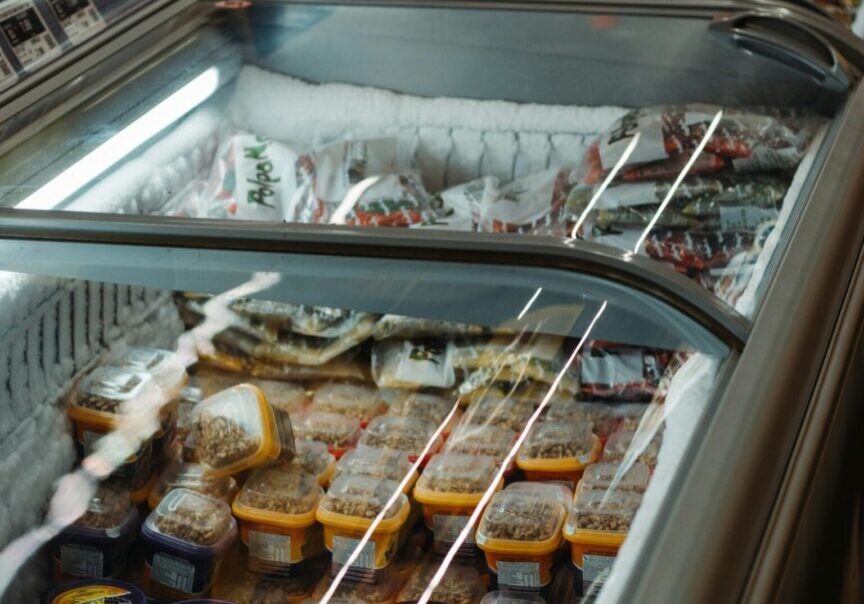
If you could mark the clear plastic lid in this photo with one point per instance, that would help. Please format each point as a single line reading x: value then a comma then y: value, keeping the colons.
x: 194, y: 477
x: 109, y: 510
x: 511, y: 597
x: 520, y: 515
x: 189, y: 398
x: 333, y: 429
x: 605, y: 476
x: 290, y: 397
x: 353, y: 592
x: 548, y: 490
x: 460, y: 585
x: 619, y: 444
x: 192, y: 522
x: 384, y: 464
x: 252, y: 588
x: 362, y: 497
x: 105, y: 389
x: 457, y: 473
x: 407, y: 434
x: 630, y: 415
x: 431, y: 407
x: 602, y: 415
x: 233, y: 428
x: 481, y: 440
x: 608, y: 511
x: 312, y: 456
x: 164, y: 366
x: 281, y: 489
x: 510, y: 413
x: 351, y: 400
x: 558, y: 440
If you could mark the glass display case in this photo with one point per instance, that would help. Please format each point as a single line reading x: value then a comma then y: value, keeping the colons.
x: 425, y: 302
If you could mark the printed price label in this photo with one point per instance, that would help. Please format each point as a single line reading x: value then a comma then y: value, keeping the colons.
x: 79, y: 18
x: 80, y: 561
x: 343, y: 549
x: 519, y: 574
x: 596, y: 569
x: 173, y: 572
x: 447, y: 528
x: 25, y: 31
x: 272, y: 548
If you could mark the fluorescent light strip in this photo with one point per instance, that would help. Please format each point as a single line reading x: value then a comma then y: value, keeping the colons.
x: 109, y: 153
x: 701, y: 147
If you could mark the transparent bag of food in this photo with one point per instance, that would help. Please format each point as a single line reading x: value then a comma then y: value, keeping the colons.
x: 412, y: 365
x: 623, y: 373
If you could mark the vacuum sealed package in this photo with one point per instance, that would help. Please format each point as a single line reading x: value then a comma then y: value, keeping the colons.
x: 398, y: 326
x: 458, y: 208
x: 317, y: 321
x: 389, y: 200
x: 413, y: 364
x: 252, y: 178
x: 613, y: 372
x: 506, y: 350
x: 525, y: 204
x: 327, y: 175
x: 698, y: 250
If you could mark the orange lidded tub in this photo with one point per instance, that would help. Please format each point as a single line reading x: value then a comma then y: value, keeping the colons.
x: 338, y: 432
x: 382, y: 464
x: 431, y: 407
x: 276, y: 508
x: 414, y: 436
x: 357, y: 401
x: 236, y: 430
x: 626, y: 444
x: 493, y: 441
x: 602, y: 415
x: 519, y: 533
x: 314, y: 457
x: 596, y: 528
x: 558, y: 451
x: 192, y: 476
x: 505, y: 412
x: 450, y: 488
x: 347, y: 512
x: 613, y: 477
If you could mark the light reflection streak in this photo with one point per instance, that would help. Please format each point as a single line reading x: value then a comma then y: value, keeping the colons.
x: 490, y: 491
x: 529, y: 304
x: 679, y: 179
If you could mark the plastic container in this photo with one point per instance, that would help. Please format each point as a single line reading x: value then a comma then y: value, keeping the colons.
x: 450, y: 488
x: 338, y: 432
x: 604, y: 477
x: 602, y: 415
x: 618, y: 445
x: 519, y: 533
x: 460, y: 585
x: 252, y: 588
x: 408, y: 434
x: 348, y: 510
x: 512, y: 597
x: 547, y: 490
x: 352, y: 592
x: 186, y: 535
x: 287, y: 396
x: 381, y: 464
x: 105, y: 397
x: 510, y: 413
x: 431, y: 407
x: 194, y: 477
x: 559, y: 451
x: 237, y: 429
x: 276, y: 508
x: 101, y: 591
x: 482, y: 440
x: 314, y: 457
x: 630, y: 415
x: 357, y: 401
x: 97, y: 543
x: 596, y: 528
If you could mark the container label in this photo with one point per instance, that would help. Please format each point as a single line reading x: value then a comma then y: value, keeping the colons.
x: 80, y: 560
x: 595, y: 569
x: 173, y: 572
x: 26, y: 33
x: 519, y: 574
x: 270, y: 547
x: 447, y: 528
x: 79, y: 18
x: 343, y: 549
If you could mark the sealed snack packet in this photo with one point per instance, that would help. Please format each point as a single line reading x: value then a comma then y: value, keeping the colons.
x: 414, y: 436
x: 314, y: 457
x: 339, y: 432
x: 525, y: 204
x: 96, y: 544
x: 520, y: 532
x: 252, y: 178
x: 194, y: 477
x: 398, y: 326
x: 389, y: 200
x: 558, y: 451
x: 691, y: 250
x: 276, y: 509
x: 461, y: 584
x: 327, y: 175
x: 317, y: 321
x: 187, y: 536
x: 347, y: 511
x: 357, y: 401
x: 413, y: 364
x: 478, y: 386
x: 450, y: 488
x: 614, y: 372
x: 458, y: 208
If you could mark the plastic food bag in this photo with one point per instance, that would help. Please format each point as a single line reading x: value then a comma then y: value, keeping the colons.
x: 390, y: 200
x: 698, y: 250
x: 458, y: 208
x: 526, y: 204
x: 252, y: 178
x: 622, y: 373
x: 412, y: 365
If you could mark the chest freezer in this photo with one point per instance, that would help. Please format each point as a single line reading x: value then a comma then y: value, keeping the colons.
x: 622, y: 280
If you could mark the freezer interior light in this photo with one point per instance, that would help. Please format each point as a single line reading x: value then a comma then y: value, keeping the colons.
x: 109, y: 153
